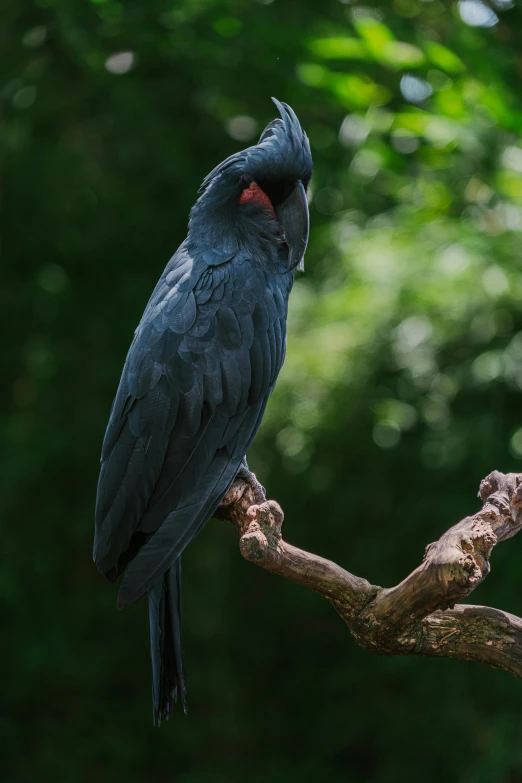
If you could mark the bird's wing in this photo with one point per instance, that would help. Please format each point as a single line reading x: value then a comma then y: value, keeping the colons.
x: 194, y: 387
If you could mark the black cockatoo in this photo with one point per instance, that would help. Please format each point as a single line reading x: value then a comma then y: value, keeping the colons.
x: 202, y: 365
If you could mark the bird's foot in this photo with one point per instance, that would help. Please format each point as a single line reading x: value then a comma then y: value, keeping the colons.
x: 258, y: 489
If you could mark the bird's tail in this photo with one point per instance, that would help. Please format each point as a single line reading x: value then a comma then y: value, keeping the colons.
x: 168, y: 678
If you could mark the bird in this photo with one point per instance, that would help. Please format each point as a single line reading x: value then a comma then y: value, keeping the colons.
x: 196, y: 381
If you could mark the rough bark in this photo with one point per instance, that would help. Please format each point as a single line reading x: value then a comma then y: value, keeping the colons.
x: 420, y: 616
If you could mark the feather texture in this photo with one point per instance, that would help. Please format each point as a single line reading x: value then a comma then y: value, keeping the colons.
x: 181, y: 391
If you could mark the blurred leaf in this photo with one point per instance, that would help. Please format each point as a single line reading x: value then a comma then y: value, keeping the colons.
x: 401, y: 55
x: 443, y: 58
x: 374, y: 34
x: 358, y: 90
x: 311, y: 74
x: 338, y: 48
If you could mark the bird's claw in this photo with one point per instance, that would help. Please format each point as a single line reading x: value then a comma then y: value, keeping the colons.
x: 257, y: 488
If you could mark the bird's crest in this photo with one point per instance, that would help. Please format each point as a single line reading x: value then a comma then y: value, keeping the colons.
x: 283, y: 151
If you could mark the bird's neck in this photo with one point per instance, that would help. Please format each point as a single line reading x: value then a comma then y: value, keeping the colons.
x: 226, y: 225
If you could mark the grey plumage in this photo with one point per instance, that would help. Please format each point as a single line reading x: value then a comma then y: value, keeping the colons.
x: 202, y: 365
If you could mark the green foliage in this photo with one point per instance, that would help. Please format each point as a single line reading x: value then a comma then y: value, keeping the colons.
x: 401, y: 388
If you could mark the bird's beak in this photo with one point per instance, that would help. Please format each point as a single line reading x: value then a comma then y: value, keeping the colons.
x: 293, y: 218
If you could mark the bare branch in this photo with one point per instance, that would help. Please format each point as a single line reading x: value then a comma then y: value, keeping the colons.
x: 418, y: 616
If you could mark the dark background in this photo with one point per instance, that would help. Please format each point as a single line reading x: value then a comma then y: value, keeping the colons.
x: 401, y: 390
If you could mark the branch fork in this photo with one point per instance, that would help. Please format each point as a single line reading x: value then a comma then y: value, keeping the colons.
x: 420, y: 616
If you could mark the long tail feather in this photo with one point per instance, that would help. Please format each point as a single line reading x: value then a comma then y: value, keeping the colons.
x: 168, y: 677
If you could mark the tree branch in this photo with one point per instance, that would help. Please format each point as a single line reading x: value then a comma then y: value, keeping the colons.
x: 419, y: 616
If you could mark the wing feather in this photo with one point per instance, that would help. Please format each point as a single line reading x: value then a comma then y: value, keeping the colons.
x: 194, y: 387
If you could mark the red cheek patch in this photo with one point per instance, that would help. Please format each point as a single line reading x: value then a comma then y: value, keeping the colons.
x: 254, y: 193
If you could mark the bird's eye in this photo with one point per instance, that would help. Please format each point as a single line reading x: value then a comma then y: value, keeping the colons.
x: 277, y: 192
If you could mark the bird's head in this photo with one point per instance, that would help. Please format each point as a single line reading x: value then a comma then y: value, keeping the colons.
x: 264, y: 188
